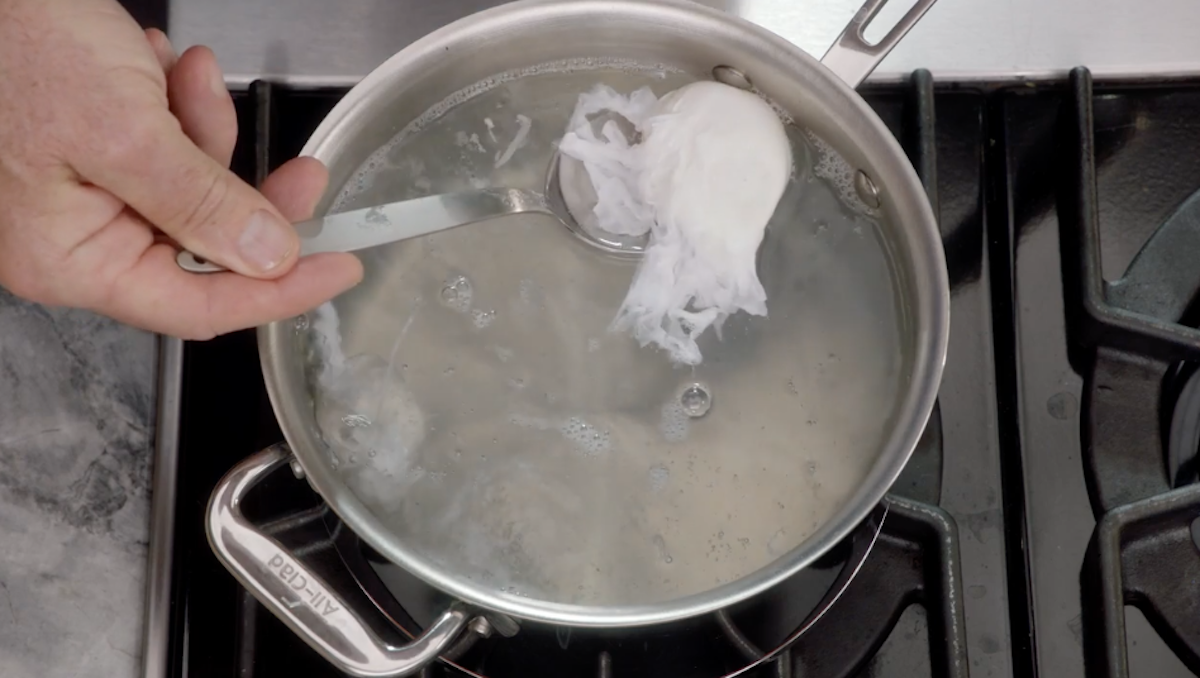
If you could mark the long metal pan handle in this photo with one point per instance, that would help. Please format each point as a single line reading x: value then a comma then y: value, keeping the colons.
x: 299, y: 597
x: 852, y: 58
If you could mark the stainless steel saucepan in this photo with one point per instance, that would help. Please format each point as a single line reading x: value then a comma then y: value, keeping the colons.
x: 464, y: 410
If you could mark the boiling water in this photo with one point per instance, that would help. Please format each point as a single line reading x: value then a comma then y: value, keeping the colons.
x: 472, y: 396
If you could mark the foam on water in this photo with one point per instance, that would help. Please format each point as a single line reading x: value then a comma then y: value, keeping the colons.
x: 457, y: 294
x: 674, y: 422
x: 587, y: 438
x: 832, y: 167
x: 481, y: 319
x: 470, y: 142
x: 361, y: 180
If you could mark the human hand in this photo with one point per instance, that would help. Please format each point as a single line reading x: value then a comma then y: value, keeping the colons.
x: 113, y: 154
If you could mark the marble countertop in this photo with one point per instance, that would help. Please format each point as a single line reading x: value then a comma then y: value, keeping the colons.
x: 76, y: 440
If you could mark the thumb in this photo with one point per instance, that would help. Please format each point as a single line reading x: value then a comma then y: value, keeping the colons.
x: 159, y: 172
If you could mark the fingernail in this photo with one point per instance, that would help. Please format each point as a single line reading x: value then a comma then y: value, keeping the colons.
x: 266, y: 241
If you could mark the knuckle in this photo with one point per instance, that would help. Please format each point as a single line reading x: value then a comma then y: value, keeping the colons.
x: 202, y: 209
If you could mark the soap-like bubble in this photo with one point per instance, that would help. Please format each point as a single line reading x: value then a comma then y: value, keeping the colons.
x: 832, y: 167
x: 457, y: 294
x: 674, y: 422
x: 481, y: 319
x: 587, y: 438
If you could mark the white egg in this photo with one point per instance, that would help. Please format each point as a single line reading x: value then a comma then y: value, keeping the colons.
x: 708, y: 173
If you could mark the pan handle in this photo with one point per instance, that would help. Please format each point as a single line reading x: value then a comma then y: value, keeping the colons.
x: 299, y: 597
x: 852, y: 58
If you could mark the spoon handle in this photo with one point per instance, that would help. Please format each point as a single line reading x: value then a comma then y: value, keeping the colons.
x: 382, y: 224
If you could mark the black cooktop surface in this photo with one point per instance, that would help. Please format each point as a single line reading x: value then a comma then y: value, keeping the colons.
x: 1044, y: 525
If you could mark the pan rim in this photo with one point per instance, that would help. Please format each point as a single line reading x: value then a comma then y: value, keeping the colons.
x: 931, y: 309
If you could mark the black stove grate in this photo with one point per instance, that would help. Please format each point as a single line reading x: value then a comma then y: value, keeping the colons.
x: 1100, y: 195
x: 148, y: 13
x: 1140, y: 437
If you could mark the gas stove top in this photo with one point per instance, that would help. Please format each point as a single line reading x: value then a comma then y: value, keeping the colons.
x: 1045, y: 523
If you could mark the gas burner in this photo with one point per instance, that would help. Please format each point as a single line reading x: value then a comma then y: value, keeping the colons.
x: 800, y: 626
x: 827, y: 621
x: 1145, y: 553
x: 1142, y: 398
x: 1182, y: 387
x: 1141, y: 429
x: 708, y: 647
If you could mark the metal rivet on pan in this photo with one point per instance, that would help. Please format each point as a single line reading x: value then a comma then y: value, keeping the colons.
x: 481, y: 627
x: 867, y: 191
x: 297, y: 470
x: 504, y: 625
x: 728, y: 75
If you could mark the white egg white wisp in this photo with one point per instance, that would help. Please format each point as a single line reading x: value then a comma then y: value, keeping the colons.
x: 702, y: 174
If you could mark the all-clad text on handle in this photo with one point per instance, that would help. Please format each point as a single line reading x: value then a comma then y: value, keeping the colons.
x: 299, y: 597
